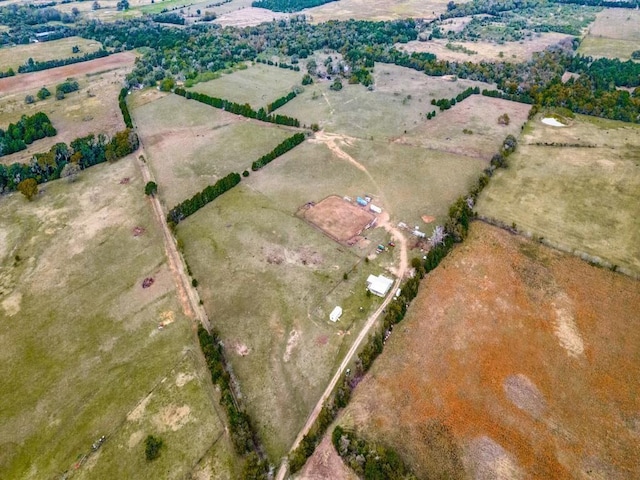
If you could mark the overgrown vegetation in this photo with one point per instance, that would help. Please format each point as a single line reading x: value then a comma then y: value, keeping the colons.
x: 152, y: 447
x: 34, y: 66
x: 24, y: 132
x: 288, y: 5
x: 281, y: 149
x: 122, y: 103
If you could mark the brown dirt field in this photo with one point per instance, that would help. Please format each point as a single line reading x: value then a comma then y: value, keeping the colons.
x: 248, y: 17
x: 337, y: 218
x: 514, y: 361
x: 33, y: 81
x: 326, y: 463
x: 487, y: 51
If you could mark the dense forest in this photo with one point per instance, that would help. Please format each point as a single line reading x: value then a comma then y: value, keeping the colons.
x: 24, y: 132
x: 288, y: 5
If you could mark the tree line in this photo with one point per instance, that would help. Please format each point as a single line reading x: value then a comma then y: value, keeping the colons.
x: 82, y: 152
x: 243, y: 435
x: 281, y: 101
x: 9, y: 73
x: 446, y: 104
x: 35, y: 66
x: 281, y: 149
x: 288, y: 6
x: 122, y: 103
x: 233, y: 107
x: 24, y: 132
x: 169, y: 17
x: 200, y: 199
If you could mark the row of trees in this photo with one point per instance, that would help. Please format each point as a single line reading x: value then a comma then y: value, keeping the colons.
x: 233, y: 107
x: 122, y: 103
x: 281, y: 149
x: 243, y: 435
x: 35, y: 66
x: 446, y: 104
x: 288, y: 6
x: 281, y: 101
x: 9, y: 73
x: 200, y: 199
x: 24, y: 132
x: 81, y: 153
x: 169, y: 17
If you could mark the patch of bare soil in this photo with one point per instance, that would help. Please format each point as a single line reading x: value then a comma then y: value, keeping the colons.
x: 326, y: 463
x: 248, y: 17
x: 172, y: 417
x: 292, y: 343
x: 514, y: 361
x: 337, y: 218
x: 136, y: 413
x: 242, y: 350
x: 428, y: 219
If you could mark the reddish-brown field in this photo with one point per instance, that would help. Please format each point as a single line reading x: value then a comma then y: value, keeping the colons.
x: 337, y: 218
x: 35, y: 80
x: 514, y: 361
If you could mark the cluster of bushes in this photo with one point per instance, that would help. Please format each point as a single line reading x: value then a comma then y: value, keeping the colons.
x: 200, y: 199
x: 369, y: 461
x: 24, y: 132
x: 446, y: 104
x: 288, y: 5
x: 281, y: 149
x: 65, y: 87
x: 284, y: 65
x: 122, y: 102
x: 244, y: 110
x: 172, y: 18
x: 280, y: 102
x: 82, y: 152
x: 8, y: 73
x: 431, y: 115
x: 514, y: 97
x: 33, y: 66
x: 243, y: 435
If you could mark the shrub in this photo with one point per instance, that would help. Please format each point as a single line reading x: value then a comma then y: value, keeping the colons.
x: 152, y: 446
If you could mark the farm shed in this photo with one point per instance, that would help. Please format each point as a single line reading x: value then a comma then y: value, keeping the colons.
x: 335, y: 314
x: 379, y: 285
x: 375, y: 208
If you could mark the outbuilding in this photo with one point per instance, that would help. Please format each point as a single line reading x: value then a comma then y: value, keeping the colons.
x: 335, y: 314
x: 379, y: 285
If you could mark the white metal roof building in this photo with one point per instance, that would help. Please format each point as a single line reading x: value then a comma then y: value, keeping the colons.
x: 335, y: 314
x: 379, y: 285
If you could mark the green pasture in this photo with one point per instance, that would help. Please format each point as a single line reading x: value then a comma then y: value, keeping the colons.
x: 13, y: 57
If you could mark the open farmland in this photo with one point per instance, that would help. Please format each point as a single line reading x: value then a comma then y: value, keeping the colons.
x: 192, y: 145
x: 54, y: 50
x: 514, y: 361
x: 614, y: 34
x: 485, y: 51
x: 376, y: 10
x: 578, y: 187
x: 399, y: 101
x: 470, y: 128
x: 257, y: 85
x: 248, y: 17
x: 80, y: 341
x: 92, y: 109
x: 269, y: 281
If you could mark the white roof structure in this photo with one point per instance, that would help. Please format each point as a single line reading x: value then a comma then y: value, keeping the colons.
x: 375, y: 208
x: 379, y: 285
x: 335, y: 314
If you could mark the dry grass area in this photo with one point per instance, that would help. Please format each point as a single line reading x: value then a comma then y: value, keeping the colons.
x: 486, y: 51
x: 376, y: 10
x: 578, y: 187
x: 337, y: 218
x: 514, y: 361
x: 53, y: 50
x: 477, y: 115
x: 614, y: 34
x: 93, y: 109
x: 248, y: 17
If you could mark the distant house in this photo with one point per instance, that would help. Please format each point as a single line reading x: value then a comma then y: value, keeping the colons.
x: 335, y: 314
x: 379, y: 285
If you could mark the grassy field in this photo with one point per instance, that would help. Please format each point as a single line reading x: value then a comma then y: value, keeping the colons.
x: 516, y: 362
x: 258, y: 85
x: 80, y: 341
x: 615, y: 34
x: 485, y: 51
x: 471, y: 128
x: 376, y: 10
x: 191, y: 145
x: 399, y: 102
x: 581, y: 198
x: 56, y: 49
x: 93, y: 109
x: 268, y: 282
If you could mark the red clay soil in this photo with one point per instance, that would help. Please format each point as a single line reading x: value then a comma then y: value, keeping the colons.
x: 514, y: 361
x: 35, y: 80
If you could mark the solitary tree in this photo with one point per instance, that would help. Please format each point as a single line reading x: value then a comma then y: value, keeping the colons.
x: 150, y: 188
x: 70, y: 171
x: 152, y: 447
x: 28, y: 187
x: 43, y: 93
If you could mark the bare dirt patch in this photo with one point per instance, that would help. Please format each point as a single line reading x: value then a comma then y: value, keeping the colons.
x: 326, y: 463
x: 248, y: 17
x: 428, y: 219
x: 183, y: 378
x: 138, y: 412
x: 173, y: 417
x: 11, y: 304
x: 337, y: 218
x: 292, y: 343
x: 480, y: 356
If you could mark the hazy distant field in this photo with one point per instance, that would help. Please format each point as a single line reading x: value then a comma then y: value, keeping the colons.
x: 79, y: 336
x: 583, y: 198
x: 191, y: 145
x: 257, y: 85
x: 376, y: 10
x: 399, y: 102
x: 615, y: 33
x: 514, y: 361
x: 54, y: 50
